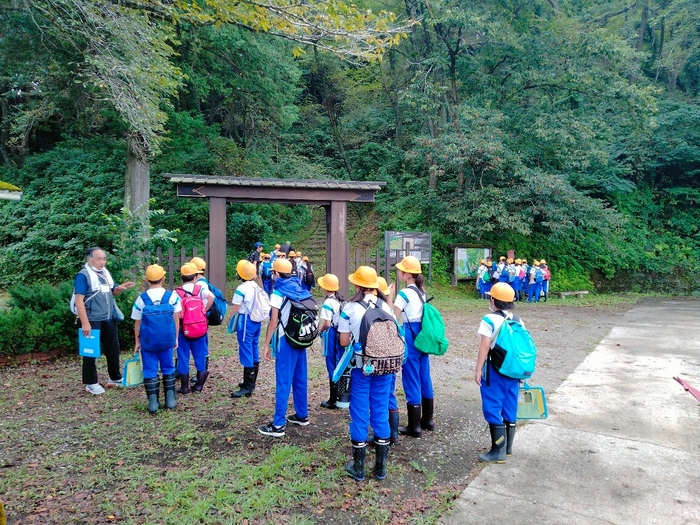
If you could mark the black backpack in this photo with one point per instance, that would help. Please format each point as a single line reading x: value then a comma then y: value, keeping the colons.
x: 383, y: 346
x: 302, y: 325
x: 309, y: 277
x: 251, y: 257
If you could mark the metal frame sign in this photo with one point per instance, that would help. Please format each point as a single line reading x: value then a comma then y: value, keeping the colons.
x: 466, y: 261
x: 398, y: 245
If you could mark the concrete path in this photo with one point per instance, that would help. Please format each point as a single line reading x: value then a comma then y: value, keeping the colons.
x: 622, y: 442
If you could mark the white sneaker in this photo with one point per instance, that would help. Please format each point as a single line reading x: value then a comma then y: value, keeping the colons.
x: 114, y: 383
x: 95, y: 389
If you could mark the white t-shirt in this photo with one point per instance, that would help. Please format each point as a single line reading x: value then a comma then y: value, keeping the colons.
x: 351, y: 316
x: 490, y: 323
x: 156, y: 295
x: 410, y: 304
x: 203, y: 291
x: 276, y: 300
x: 245, y: 296
x: 330, y: 311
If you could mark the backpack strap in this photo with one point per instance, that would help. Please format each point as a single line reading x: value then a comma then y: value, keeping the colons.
x: 146, y: 299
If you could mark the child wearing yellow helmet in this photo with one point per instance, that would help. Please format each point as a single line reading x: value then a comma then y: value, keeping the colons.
x: 417, y: 382
x: 290, y: 358
x: 499, y: 394
x: 369, y: 393
x: 332, y: 350
x: 248, y: 330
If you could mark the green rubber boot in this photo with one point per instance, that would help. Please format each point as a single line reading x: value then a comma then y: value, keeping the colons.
x: 152, y: 386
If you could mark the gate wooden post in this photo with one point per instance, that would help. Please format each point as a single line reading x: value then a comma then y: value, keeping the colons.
x: 336, y: 245
x: 217, y: 242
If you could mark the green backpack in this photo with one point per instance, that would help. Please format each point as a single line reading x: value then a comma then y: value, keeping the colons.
x: 431, y: 338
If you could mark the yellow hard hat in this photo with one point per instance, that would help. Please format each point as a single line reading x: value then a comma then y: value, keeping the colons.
x: 305, y: 258
x: 282, y: 265
x: 199, y: 263
x: 188, y: 269
x: 328, y: 282
x: 524, y: 260
x: 281, y: 254
x: 503, y: 292
x: 482, y: 261
x: 509, y: 260
x: 155, y: 272
x: 542, y: 261
x: 536, y: 262
x: 502, y: 258
x: 518, y: 261
x: 298, y: 253
x: 409, y: 264
x: 364, y: 277
x: 489, y: 264
x: 383, y: 287
x: 277, y: 246
x: 246, y: 270
x: 292, y: 253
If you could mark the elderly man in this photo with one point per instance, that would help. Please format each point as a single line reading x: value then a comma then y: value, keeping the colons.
x: 94, y: 304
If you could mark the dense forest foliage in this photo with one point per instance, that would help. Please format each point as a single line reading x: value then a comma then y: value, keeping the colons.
x: 564, y: 129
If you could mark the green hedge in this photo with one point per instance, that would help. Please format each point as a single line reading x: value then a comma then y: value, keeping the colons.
x: 38, y: 319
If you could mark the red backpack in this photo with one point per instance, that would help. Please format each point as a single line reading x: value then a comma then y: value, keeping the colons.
x: 193, y: 315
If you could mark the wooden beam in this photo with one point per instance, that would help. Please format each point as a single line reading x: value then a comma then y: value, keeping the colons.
x: 337, y: 244
x: 217, y: 243
x: 274, y: 195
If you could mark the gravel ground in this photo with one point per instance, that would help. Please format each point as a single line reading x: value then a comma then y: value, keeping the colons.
x: 424, y: 474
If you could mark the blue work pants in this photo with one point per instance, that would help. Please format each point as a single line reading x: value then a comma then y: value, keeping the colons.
x: 417, y: 383
x: 151, y: 360
x: 369, y: 404
x: 290, y: 374
x: 197, y: 347
x: 248, y: 335
x: 499, y: 396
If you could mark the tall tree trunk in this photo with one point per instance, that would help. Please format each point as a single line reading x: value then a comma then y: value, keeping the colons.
x: 642, y: 30
x: 4, y: 131
x: 137, y: 183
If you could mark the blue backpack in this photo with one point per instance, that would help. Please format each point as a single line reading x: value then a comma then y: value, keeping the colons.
x: 539, y: 274
x: 267, y: 270
x: 157, y: 332
x: 217, y: 312
x: 513, y: 353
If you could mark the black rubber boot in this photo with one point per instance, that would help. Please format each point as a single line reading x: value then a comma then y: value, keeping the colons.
x: 510, y: 436
x: 343, y: 391
x: 201, y: 379
x: 394, y: 426
x: 413, y: 428
x: 255, y: 376
x: 356, y: 467
x: 248, y: 383
x: 152, y: 386
x: 169, y: 391
x: 382, y: 449
x: 184, y: 384
x: 330, y: 404
x: 426, y: 422
x: 497, y: 454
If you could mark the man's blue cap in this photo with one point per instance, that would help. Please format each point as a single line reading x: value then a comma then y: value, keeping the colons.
x: 257, y: 244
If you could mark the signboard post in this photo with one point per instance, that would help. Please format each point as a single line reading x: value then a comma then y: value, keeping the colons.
x: 466, y: 261
x: 398, y: 245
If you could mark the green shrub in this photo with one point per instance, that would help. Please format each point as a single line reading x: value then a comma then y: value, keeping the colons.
x: 37, y: 320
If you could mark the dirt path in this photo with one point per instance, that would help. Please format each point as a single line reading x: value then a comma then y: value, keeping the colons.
x: 45, y: 414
